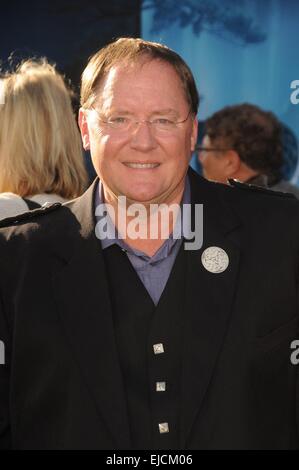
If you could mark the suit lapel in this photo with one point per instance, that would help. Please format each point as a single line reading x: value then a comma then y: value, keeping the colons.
x: 82, y: 294
x: 208, y: 303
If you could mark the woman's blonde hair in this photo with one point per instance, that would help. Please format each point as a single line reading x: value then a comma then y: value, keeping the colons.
x: 40, y: 144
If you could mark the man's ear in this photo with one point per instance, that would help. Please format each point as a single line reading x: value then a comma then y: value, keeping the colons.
x: 233, y: 162
x: 194, y: 134
x: 83, y: 125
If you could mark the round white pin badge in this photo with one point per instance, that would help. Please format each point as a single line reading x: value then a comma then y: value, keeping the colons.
x: 215, y: 259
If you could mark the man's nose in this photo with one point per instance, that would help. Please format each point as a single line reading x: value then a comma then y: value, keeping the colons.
x: 143, y: 137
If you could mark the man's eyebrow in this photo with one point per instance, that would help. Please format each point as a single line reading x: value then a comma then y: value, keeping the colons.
x: 120, y: 111
x: 165, y: 111
x: 114, y: 111
x: 157, y: 112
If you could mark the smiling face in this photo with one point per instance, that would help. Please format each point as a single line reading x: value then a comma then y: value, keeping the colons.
x: 145, y: 164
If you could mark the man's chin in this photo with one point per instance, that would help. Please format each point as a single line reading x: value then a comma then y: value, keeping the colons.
x: 141, y: 194
x: 144, y: 198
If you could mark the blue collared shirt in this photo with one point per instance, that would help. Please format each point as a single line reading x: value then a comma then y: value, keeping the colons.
x: 154, y: 270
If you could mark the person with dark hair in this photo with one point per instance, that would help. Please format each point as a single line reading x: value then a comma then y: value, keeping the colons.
x: 118, y: 336
x: 244, y: 142
x: 241, y: 142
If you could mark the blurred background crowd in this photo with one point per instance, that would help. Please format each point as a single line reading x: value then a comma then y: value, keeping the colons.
x: 243, y: 55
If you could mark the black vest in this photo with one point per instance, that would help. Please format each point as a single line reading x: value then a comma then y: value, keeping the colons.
x: 139, y: 325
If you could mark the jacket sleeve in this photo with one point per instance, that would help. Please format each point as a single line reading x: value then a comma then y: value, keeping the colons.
x: 5, y: 435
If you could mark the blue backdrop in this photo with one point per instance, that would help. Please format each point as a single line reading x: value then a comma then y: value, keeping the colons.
x: 239, y: 51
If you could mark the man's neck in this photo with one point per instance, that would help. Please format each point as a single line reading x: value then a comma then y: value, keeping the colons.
x: 149, y: 222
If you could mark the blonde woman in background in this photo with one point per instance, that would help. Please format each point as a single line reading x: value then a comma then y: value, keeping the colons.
x: 41, y: 156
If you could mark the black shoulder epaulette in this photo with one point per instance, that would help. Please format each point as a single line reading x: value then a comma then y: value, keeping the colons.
x: 260, y: 189
x: 44, y: 209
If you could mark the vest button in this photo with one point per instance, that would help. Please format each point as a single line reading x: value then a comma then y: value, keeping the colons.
x: 163, y: 428
x: 160, y: 386
x: 158, y: 348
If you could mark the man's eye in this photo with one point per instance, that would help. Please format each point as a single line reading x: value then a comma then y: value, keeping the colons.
x: 163, y: 121
x: 118, y: 120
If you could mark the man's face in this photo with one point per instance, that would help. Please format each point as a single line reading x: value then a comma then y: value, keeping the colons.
x: 214, y: 163
x: 148, y: 91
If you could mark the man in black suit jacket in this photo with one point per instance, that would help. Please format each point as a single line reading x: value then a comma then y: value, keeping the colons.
x: 98, y: 355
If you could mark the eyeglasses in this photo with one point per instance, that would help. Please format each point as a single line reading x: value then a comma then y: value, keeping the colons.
x: 127, y: 124
x: 200, y: 148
